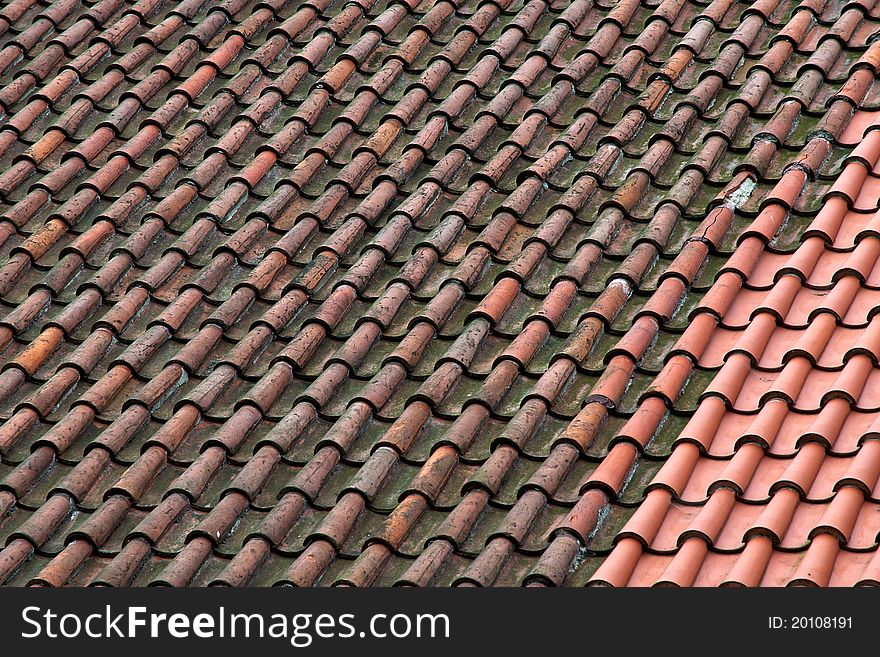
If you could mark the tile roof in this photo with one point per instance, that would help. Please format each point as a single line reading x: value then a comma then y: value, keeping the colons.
x: 471, y: 292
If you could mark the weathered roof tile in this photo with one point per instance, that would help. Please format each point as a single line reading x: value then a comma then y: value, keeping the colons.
x: 438, y: 293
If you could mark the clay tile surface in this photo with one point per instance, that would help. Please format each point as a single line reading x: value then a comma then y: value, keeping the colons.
x: 440, y: 293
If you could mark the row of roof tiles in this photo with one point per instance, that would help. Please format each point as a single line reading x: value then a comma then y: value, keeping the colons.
x: 425, y: 293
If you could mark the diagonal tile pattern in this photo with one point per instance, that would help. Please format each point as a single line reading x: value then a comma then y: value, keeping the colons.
x: 773, y: 480
x: 439, y: 292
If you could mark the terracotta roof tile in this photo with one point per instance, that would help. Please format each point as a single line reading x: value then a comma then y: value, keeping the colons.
x: 452, y: 292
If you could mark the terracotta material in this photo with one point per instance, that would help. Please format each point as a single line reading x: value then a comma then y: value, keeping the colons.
x: 439, y: 293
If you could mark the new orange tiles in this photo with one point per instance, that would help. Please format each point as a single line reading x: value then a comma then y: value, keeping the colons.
x: 434, y: 293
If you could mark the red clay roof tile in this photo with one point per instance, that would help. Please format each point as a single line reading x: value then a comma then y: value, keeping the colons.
x: 439, y: 293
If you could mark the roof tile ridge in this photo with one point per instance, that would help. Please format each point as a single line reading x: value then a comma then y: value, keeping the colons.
x: 744, y: 363
x: 76, y: 160
x: 115, y: 270
x: 762, y: 235
x: 835, y: 527
x: 97, y: 397
x: 565, y: 546
x: 415, y: 326
x: 502, y: 361
x: 501, y: 449
x: 12, y: 11
x: 51, y: 91
x: 42, y: 24
x: 267, y: 451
